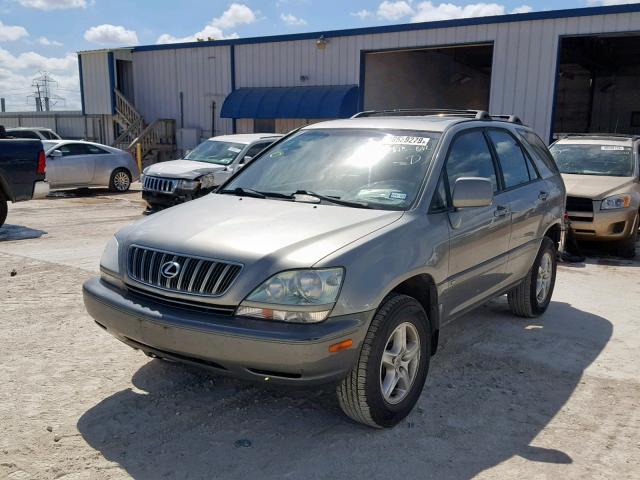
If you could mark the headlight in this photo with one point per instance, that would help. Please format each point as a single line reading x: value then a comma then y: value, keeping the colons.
x: 616, y: 201
x: 300, y: 296
x: 109, y: 263
x: 207, y: 181
x: 189, y: 184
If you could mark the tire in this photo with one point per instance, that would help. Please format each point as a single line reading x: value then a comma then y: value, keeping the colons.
x: 3, y: 210
x: 120, y: 180
x: 627, y: 248
x: 524, y: 300
x: 360, y: 394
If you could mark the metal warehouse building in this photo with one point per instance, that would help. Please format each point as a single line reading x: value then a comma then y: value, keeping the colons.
x: 560, y: 71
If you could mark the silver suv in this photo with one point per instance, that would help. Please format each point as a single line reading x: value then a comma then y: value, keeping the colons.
x: 338, y: 254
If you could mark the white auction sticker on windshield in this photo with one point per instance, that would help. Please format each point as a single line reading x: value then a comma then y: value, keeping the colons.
x: 611, y: 147
x: 405, y: 140
x: 234, y: 149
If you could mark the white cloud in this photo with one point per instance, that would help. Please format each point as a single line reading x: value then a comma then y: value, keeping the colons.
x: 53, y: 4
x: 290, y: 19
x: 111, y: 35
x: 236, y: 14
x: 18, y: 71
x: 427, y: 11
x: 49, y: 43
x: 522, y: 9
x: 11, y: 33
x: 35, y: 61
x: 363, y: 14
x: 394, y: 10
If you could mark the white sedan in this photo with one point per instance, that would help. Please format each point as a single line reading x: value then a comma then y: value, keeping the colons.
x: 73, y: 163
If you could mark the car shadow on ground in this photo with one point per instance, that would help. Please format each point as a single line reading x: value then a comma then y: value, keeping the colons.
x: 496, y: 382
x: 9, y: 233
x: 89, y: 192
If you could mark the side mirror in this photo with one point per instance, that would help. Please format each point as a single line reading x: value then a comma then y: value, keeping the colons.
x: 469, y: 192
x: 246, y: 159
x: 187, y: 152
x: 55, y: 153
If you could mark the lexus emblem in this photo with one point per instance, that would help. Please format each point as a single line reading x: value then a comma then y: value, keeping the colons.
x: 170, y: 270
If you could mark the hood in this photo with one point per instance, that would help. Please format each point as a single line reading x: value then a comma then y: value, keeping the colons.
x: 186, y: 169
x: 595, y: 187
x: 272, y: 233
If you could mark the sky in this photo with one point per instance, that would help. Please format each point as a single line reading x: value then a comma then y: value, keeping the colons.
x: 45, y: 35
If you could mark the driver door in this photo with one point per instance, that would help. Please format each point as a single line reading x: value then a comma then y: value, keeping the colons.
x: 479, y: 236
x: 75, y: 167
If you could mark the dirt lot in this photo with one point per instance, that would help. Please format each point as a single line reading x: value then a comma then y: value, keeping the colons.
x: 506, y: 398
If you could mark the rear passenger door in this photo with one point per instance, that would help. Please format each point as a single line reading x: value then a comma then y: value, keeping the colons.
x: 479, y: 237
x: 528, y: 196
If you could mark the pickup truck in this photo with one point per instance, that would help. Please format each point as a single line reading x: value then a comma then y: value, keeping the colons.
x: 22, y: 172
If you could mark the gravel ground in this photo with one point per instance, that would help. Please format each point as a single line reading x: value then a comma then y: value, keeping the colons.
x: 556, y: 397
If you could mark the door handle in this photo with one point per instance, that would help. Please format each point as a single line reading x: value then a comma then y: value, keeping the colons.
x: 501, y: 211
x: 543, y: 196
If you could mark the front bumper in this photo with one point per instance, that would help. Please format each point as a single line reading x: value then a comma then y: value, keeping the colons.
x: 235, y: 346
x: 165, y: 200
x: 603, y: 225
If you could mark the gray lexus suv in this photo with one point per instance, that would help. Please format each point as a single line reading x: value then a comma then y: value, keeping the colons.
x: 338, y: 254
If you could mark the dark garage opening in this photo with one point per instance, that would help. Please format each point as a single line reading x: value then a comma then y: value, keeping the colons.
x: 598, y: 85
x: 451, y: 77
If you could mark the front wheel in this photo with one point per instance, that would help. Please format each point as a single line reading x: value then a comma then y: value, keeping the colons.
x: 532, y: 297
x: 120, y: 180
x: 385, y: 383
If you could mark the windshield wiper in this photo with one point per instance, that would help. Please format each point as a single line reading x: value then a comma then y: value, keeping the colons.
x: 248, y: 192
x: 334, y: 200
x: 245, y: 192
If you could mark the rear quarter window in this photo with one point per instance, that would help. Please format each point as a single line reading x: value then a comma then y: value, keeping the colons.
x: 539, y: 152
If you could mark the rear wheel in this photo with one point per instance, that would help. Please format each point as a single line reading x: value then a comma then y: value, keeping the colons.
x: 532, y: 297
x: 385, y: 383
x: 3, y: 209
x: 627, y: 248
x: 120, y: 180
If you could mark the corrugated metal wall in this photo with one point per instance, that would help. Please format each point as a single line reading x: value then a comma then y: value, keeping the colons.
x: 202, y: 75
x: 523, y: 77
x: 96, y: 83
x: 71, y: 125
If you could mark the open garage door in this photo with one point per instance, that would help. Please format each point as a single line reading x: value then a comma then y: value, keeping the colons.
x: 451, y: 77
x: 598, y: 85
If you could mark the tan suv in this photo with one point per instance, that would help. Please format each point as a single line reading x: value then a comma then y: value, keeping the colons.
x: 602, y: 178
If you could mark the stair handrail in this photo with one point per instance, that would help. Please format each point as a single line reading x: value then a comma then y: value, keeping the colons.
x: 160, y: 131
x: 127, y: 109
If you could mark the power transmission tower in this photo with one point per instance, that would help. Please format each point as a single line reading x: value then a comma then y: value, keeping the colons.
x: 43, y: 94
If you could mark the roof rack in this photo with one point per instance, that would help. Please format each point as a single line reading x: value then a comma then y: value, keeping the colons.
x: 473, y: 114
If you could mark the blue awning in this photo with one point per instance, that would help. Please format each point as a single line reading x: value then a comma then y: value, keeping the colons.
x: 339, y: 101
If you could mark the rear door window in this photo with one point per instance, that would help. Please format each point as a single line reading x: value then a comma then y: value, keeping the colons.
x: 24, y: 134
x: 542, y: 158
x: 515, y: 170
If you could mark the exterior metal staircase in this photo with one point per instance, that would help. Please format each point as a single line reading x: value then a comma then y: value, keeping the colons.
x: 154, y: 138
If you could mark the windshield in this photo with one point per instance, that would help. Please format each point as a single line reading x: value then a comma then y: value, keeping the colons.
x: 380, y: 168
x: 214, y: 151
x: 585, y: 159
